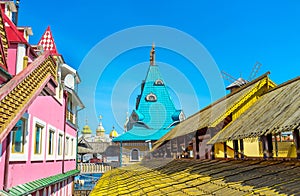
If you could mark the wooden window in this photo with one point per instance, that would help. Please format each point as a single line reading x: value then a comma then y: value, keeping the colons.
x: 51, y: 142
x: 18, y: 137
x: 59, y: 144
x: 38, y: 139
x: 67, y: 145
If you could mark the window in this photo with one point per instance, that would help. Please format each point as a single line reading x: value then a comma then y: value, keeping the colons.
x: 158, y: 82
x: 70, y: 104
x: 67, y: 145
x: 59, y: 148
x: 151, y: 97
x: 38, y: 139
x: 18, y: 137
x: 51, y: 142
x: 134, y: 155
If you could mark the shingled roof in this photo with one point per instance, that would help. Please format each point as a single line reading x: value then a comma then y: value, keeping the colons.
x: 216, y: 112
x: 155, y: 113
x: 276, y: 111
x: 202, y: 177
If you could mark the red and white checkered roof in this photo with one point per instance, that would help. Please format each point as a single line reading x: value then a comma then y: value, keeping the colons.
x: 47, y: 42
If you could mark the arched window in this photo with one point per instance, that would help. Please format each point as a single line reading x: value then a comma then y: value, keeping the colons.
x: 134, y: 155
x: 151, y: 97
x: 158, y: 82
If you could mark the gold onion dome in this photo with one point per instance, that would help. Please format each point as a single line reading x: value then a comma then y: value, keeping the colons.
x: 113, y: 133
x: 86, y: 130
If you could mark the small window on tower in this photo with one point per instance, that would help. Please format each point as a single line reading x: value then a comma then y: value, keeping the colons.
x: 158, y: 83
x: 151, y: 97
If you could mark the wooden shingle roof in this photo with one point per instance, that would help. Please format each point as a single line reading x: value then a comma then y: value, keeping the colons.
x: 276, y: 111
x: 215, y: 112
x: 202, y: 177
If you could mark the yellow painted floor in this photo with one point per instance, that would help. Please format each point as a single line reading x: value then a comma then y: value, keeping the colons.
x: 202, y: 177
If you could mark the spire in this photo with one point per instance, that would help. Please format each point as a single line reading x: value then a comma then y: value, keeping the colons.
x: 152, y: 55
x: 47, y: 42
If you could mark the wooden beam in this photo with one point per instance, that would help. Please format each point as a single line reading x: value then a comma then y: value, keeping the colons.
x: 225, y: 150
x: 297, y: 142
x: 236, y: 148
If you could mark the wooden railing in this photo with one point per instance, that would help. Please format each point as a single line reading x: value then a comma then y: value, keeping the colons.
x: 70, y: 117
x: 93, y: 168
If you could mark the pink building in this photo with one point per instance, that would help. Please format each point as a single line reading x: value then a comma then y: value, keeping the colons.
x: 38, y: 109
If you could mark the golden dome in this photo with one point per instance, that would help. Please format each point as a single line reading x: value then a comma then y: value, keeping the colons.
x: 100, y: 127
x: 86, y: 130
x: 113, y: 133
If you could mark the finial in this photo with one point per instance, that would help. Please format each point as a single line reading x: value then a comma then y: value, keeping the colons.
x: 100, y: 117
x: 152, y: 55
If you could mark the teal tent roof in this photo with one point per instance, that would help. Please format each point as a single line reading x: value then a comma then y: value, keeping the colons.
x: 157, y: 114
x: 141, y: 134
x: 155, y: 110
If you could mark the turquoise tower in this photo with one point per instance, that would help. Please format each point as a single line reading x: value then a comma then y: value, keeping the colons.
x: 155, y: 113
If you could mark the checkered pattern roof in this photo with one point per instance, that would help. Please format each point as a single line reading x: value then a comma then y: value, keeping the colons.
x: 47, y: 42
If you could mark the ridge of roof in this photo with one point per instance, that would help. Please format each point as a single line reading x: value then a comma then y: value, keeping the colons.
x: 231, y: 94
x: 284, y: 84
x: 283, y: 103
x: 4, y: 43
x: 215, y: 104
x: 16, y: 36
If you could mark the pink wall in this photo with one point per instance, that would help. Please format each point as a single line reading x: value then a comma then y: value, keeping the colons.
x: 47, y: 109
x: 12, y: 59
x: 2, y: 163
x: 25, y: 172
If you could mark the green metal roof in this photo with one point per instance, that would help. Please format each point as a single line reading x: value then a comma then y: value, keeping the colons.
x: 30, y: 187
x: 154, y: 117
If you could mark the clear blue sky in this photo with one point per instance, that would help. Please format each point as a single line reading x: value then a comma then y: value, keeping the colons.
x: 235, y: 33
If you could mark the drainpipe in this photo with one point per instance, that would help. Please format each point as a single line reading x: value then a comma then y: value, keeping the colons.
x: 77, y: 131
x: 6, y: 164
x: 65, y: 122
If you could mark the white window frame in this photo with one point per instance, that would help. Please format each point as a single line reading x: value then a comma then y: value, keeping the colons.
x: 71, y: 147
x: 51, y: 156
x: 41, y: 156
x: 67, y: 145
x: 60, y: 157
x: 22, y: 156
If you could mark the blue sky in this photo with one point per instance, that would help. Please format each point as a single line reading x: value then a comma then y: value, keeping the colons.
x: 236, y: 34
